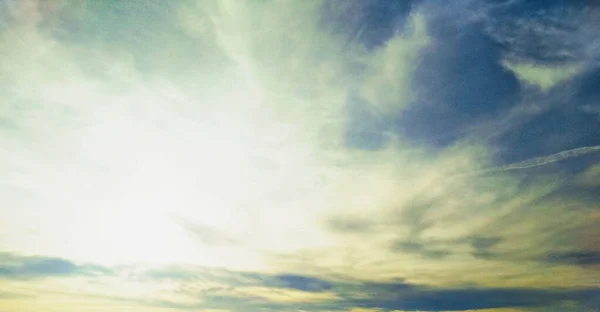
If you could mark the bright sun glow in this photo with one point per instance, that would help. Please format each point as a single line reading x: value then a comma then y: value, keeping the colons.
x: 162, y: 175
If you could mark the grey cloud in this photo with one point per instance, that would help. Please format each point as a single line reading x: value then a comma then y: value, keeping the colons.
x: 556, y: 33
x: 13, y: 266
x: 345, y: 224
x: 485, y: 242
x: 299, y: 282
x: 205, y: 234
x: 239, y: 279
x: 421, y: 249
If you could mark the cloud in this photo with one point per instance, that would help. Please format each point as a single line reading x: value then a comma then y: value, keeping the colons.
x: 240, y: 279
x: 575, y: 257
x: 477, y: 299
x: 545, y: 160
x: 553, y: 33
x: 14, y: 266
x: 349, y: 224
x: 345, y: 295
x: 285, y: 296
x: 218, y: 289
x: 421, y: 249
x: 590, y: 176
x: 228, y: 158
x: 387, y: 81
x: 542, y: 77
x: 303, y: 283
x: 205, y: 234
x: 485, y: 242
x: 393, y: 298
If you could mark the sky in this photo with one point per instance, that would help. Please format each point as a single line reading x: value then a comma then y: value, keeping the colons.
x: 287, y: 155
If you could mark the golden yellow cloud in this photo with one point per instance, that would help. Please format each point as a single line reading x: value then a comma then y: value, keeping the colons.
x: 281, y: 295
x: 591, y: 176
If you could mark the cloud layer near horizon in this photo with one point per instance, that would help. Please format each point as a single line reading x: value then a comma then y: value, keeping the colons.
x: 298, y: 155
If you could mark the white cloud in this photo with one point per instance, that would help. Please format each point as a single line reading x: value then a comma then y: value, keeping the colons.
x: 387, y: 84
x: 543, y: 77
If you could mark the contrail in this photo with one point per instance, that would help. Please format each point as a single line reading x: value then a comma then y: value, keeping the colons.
x: 544, y: 160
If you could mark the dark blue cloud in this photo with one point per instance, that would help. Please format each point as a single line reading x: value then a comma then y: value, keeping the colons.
x: 583, y: 257
x: 300, y: 282
x: 478, y: 298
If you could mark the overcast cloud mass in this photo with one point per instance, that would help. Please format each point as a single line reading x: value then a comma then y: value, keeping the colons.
x: 283, y: 155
